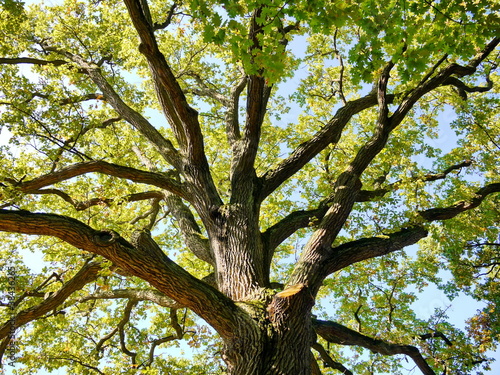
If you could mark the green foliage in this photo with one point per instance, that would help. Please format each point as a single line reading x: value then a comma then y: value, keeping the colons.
x: 317, y: 56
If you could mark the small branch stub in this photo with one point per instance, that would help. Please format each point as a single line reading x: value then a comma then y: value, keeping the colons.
x: 295, y: 299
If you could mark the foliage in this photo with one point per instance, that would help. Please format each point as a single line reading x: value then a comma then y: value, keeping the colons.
x: 323, y: 127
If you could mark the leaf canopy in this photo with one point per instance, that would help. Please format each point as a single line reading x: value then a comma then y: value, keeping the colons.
x: 105, y: 103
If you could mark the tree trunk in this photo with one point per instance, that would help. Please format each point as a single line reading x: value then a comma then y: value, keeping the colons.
x: 279, y: 339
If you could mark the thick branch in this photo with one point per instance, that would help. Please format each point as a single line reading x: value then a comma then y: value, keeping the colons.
x: 329, y: 134
x: 182, y: 116
x: 339, y: 334
x: 450, y: 212
x: 147, y: 261
x: 296, y: 220
x: 367, y: 248
x: 30, y: 60
x: 87, y: 273
x: 136, y: 175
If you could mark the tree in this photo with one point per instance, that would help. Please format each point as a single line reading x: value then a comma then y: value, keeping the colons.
x: 248, y: 175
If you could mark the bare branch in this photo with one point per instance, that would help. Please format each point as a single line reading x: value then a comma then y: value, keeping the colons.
x: 296, y: 220
x: 188, y: 226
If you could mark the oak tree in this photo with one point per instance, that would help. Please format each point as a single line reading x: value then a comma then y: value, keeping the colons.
x: 246, y: 178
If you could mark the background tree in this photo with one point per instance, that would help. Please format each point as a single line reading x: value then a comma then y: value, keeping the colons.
x: 261, y: 165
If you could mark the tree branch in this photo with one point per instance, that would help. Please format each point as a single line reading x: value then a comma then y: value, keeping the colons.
x: 162, y: 145
x: 183, y: 118
x: 168, y: 20
x: 89, y: 272
x: 151, y: 295
x: 369, y: 195
x: 440, y: 79
x: 30, y: 60
x: 81, y: 363
x: 204, y: 90
x: 296, y: 220
x: 146, y: 261
x: 232, y: 115
x: 121, y: 329
x: 339, y: 334
x: 179, y: 334
x: 83, y: 205
x: 463, y: 89
x: 367, y: 248
x: 329, y: 134
x: 450, y: 212
x: 189, y: 228
x: 66, y: 173
x: 329, y: 361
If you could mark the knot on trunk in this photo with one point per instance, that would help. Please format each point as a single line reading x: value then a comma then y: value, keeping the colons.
x: 105, y: 238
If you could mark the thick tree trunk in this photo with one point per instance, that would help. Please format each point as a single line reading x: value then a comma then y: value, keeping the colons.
x: 279, y: 340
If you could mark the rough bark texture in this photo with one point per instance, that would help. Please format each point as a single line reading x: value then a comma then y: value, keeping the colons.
x: 264, y: 332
